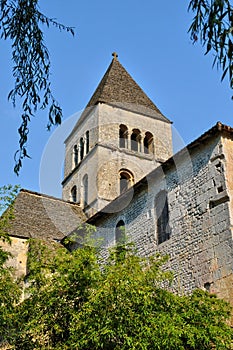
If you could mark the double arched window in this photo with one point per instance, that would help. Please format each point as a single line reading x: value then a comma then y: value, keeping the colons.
x: 83, y: 148
x: 84, y: 192
x: 126, y: 180
x: 135, y: 140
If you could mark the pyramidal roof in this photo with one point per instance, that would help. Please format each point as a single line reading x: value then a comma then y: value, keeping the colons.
x: 117, y: 87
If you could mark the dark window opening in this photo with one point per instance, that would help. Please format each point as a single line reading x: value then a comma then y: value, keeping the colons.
x: 81, y: 148
x: 135, y: 140
x: 123, y: 136
x: 162, y: 215
x: 207, y: 286
x: 75, y: 155
x: 74, y: 194
x: 219, y: 167
x: 126, y: 180
x: 87, y: 142
x: 148, y: 143
x: 120, y: 233
x: 219, y: 199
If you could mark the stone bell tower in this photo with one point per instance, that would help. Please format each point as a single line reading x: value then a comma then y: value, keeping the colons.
x: 120, y: 137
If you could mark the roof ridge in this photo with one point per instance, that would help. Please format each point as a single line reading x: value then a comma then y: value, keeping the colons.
x: 117, y: 85
x: 102, y: 81
x: 117, y: 88
x: 47, y: 196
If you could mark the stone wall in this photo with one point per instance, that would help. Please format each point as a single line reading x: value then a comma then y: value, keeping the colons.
x: 224, y: 285
x: 89, y: 123
x: 200, y: 245
x: 111, y: 117
x: 18, y: 249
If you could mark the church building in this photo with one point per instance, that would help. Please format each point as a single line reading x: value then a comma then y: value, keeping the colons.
x: 120, y: 137
x: 121, y: 176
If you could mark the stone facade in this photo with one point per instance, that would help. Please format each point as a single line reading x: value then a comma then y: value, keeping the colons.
x: 197, y: 182
x: 18, y: 249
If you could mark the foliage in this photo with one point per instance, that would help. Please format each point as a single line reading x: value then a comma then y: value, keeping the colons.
x: 130, y: 310
x: 60, y: 282
x: 213, y: 26
x: 75, y: 303
x: 7, y: 196
x: 10, y: 289
x: 20, y: 22
x: 10, y: 293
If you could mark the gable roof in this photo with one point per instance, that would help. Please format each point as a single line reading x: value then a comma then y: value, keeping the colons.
x: 45, y: 217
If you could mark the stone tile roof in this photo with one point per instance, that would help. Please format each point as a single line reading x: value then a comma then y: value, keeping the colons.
x: 44, y: 217
x: 117, y: 86
x: 119, y: 89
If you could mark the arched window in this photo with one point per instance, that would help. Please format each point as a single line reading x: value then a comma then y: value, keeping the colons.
x: 148, y: 143
x: 126, y: 180
x: 74, y: 194
x: 75, y: 155
x: 120, y: 233
x: 81, y: 148
x: 123, y: 136
x: 162, y: 217
x: 85, y: 190
x: 87, y: 142
x: 135, y: 140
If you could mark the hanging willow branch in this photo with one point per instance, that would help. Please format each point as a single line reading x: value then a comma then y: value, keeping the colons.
x: 212, y: 25
x: 20, y: 22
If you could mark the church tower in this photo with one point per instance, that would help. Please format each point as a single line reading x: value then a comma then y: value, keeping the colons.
x: 120, y: 137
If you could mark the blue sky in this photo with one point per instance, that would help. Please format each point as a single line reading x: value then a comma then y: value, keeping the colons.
x: 153, y: 45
